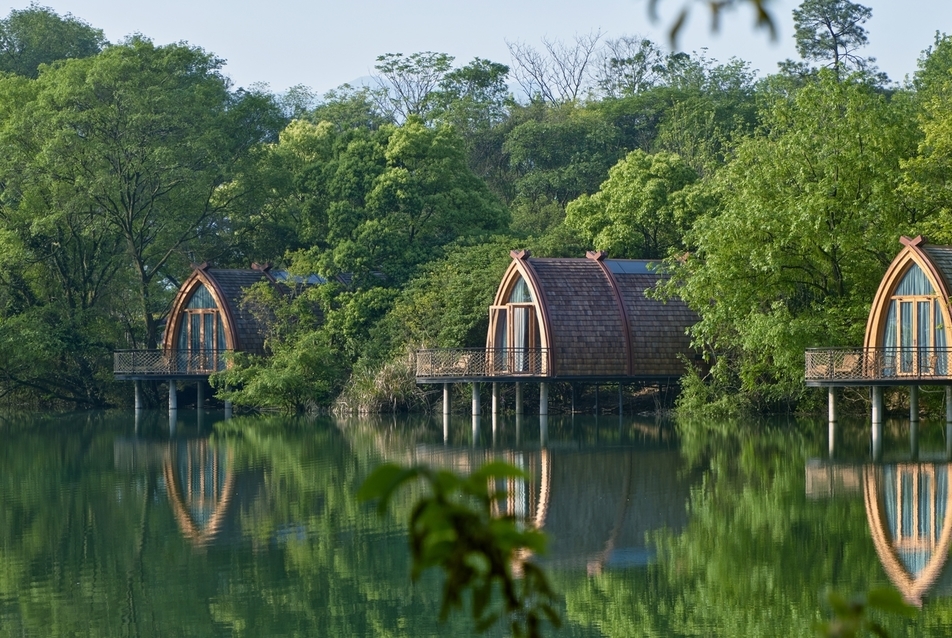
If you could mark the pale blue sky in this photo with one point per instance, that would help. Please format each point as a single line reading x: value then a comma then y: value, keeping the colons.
x: 324, y: 43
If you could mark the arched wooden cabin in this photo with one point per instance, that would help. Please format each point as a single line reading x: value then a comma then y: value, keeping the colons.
x: 575, y: 320
x: 907, y: 336
x: 207, y: 320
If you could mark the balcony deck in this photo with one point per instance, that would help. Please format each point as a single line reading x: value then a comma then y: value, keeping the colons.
x: 467, y: 365
x: 837, y: 367
x: 141, y: 365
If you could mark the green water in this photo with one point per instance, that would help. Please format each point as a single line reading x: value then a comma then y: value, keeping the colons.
x: 248, y: 527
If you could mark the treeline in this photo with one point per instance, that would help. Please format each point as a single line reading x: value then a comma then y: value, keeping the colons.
x: 776, y: 203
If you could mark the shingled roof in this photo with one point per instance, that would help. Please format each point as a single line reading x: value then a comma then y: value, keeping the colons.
x: 595, y: 319
x: 244, y: 332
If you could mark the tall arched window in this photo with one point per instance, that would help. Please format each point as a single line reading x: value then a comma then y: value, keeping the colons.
x: 201, y: 336
x: 516, y: 335
x: 915, y: 327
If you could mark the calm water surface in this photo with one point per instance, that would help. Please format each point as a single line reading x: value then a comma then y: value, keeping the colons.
x: 111, y: 526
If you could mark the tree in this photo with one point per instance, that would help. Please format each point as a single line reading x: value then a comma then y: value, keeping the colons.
x: 408, y: 83
x: 630, y: 65
x: 144, y: 141
x: 559, y: 75
x: 808, y: 217
x: 38, y: 35
x: 641, y: 211
x: 832, y: 31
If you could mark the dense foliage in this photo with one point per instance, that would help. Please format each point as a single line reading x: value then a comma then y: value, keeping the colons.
x: 782, y: 199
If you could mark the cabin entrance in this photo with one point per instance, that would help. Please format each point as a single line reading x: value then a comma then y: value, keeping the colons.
x: 201, y: 340
x: 914, y: 339
x: 517, y: 343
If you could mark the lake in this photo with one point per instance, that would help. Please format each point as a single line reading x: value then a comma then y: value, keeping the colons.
x: 113, y: 525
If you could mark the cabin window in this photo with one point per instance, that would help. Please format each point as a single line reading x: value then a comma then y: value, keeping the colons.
x: 201, y: 332
x: 516, y: 338
x: 914, y: 337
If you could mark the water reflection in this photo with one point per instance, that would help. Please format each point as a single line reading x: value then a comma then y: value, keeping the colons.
x: 908, y: 513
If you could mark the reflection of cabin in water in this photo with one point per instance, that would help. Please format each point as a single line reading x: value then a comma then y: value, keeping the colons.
x: 907, y: 334
x: 599, y: 506
x: 578, y: 320
x: 198, y: 477
x: 909, y: 513
x: 206, y: 322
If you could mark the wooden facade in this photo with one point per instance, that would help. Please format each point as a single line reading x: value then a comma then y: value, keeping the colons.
x: 907, y: 330
x: 207, y: 320
x: 585, y: 319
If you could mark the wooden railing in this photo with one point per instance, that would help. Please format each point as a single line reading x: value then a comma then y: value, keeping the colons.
x: 168, y: 362
x: 480, y: 362
x: 877, y: 364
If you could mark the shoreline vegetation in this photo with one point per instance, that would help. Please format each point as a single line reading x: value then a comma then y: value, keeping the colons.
x: 775, y: 203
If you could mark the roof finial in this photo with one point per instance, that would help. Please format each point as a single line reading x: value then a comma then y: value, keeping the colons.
x: 597, y: 255
x: 521, y: 255
x: 919, y: 240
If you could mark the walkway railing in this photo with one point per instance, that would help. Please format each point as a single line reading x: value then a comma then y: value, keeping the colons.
x: 168, y: 362
x: 854, y: 365
x: 458, y: 363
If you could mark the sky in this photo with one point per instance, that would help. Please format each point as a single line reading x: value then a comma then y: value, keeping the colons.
x: 323, y: 44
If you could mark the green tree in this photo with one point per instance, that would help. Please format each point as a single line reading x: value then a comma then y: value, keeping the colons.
x: 146, y: 141
x: 808, y: 218
x: 641, y: 211
x: 37, y: 35
x: 831, y: 31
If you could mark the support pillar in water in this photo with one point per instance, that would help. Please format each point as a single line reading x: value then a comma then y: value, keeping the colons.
x: 475, y: 399
x: 446, y: 398
x: 199, y: 395
x: 139, y: 402
x: 543, y: 399
x: 495, y: 398
x: 877, y: 429
x: 519, y: 411
x: 173, y: 398
x: 913, y: 404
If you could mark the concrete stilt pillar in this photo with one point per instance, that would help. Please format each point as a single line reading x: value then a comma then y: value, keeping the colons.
x: 199, y: 395
x: 596, y: 399
x: 831, y: 404
x: 620, y: 402
x: 914, y: 439
x: 475, y: 428
x: 475, y: 399
x: 877, y: 404
x: 831, y: 426
x: 173, y: 398
x: 948, y: 405
x: 446, y: 428
x: 913, y: 404
x: 518, y: 427
x: 544, y: 399
x: 877, y: 429
x: 573, y: 399
x: 519, y: 411
x: 140, y: 404
x: 495, y: 399
x: 173, y: 422
x: 446, y: 398
x: 831, y: 437
x: 543, y: 430
x: 228, y: 409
